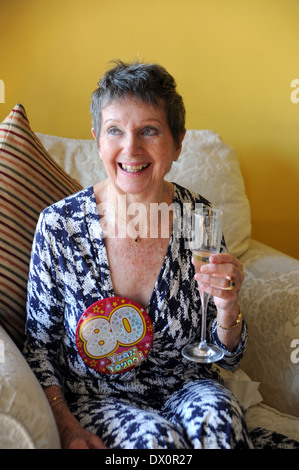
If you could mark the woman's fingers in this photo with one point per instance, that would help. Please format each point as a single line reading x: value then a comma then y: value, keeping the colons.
x: 220, y: 258
x: 224, y: 265
x: 222, y: 276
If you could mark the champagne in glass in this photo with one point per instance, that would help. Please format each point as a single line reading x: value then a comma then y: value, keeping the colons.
x: 207, y: 234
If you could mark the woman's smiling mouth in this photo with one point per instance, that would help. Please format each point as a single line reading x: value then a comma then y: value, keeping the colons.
x: 133, y: 168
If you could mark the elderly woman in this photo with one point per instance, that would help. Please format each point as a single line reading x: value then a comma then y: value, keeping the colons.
x: 82, y: 256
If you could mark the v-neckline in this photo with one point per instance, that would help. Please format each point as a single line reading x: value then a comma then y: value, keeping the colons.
x: 101, y: 250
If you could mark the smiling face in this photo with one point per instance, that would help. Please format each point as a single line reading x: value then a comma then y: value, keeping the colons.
x: 136, y: 146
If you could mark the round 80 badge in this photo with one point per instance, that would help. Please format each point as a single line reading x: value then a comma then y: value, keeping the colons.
x: 114, y: 335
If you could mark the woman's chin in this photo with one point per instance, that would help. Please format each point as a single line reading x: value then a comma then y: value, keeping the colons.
x: 134, y: 184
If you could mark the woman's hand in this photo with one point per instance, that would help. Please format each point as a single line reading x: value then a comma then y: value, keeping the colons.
x: 74, y: 436
x: 222, y: 278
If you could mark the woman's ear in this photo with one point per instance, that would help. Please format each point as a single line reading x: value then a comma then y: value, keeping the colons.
x: 95, y: 138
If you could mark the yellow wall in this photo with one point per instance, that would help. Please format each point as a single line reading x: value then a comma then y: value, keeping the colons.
x: 234, y: 61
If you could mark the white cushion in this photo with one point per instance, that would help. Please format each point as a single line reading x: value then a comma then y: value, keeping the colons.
x: 206, y: 165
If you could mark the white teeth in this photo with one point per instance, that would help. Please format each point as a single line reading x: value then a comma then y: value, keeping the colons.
x: 133, y: 168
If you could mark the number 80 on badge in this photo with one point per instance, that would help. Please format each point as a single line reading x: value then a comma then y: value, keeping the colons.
x: 114, y: 335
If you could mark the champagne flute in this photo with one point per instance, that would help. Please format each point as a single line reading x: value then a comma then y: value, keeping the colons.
x: 206, y: 240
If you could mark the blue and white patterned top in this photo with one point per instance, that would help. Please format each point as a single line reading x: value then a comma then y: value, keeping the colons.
x: 69, y: 271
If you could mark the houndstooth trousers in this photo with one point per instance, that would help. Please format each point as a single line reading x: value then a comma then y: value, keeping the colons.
x: 203, y: 414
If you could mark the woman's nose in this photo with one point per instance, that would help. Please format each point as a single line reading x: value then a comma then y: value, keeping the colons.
x: 132, y: 145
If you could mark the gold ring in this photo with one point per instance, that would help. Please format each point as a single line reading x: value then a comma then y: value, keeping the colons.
x: 231, y: 286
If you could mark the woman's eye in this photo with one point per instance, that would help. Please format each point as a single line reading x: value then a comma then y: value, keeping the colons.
x: 150, y: 131
x: 114, y: 131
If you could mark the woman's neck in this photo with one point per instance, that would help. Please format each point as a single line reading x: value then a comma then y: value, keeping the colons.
x: 133, y: 215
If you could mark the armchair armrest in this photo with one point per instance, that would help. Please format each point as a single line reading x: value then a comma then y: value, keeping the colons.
x: 26, y: 417
x: 270, y: 302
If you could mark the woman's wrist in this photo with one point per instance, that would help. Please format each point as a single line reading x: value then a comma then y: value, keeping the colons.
x: 230, y: 322
x: 229, y: 326
x: 56, y: 400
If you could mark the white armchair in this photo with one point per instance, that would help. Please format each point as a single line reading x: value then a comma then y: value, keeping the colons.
x: 269, y: 296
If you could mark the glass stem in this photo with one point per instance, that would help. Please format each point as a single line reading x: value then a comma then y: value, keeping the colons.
x: 204, y: 297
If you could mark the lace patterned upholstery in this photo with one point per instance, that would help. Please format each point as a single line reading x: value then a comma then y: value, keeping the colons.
x: 270, y: 300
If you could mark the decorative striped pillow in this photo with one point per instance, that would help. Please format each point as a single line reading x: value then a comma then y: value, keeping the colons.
x: 30, y: 180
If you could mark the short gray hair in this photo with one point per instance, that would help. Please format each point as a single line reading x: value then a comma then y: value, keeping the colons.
x: 151, y: 83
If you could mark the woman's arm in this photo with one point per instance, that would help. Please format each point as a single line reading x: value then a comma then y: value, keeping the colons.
x: 72, y: 434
